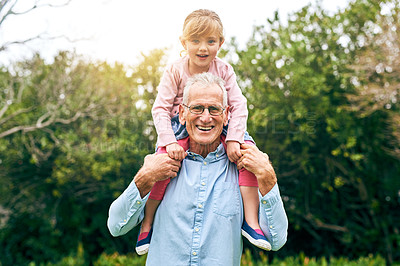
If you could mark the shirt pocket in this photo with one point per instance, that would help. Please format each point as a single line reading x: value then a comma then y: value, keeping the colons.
x: 226, y: 199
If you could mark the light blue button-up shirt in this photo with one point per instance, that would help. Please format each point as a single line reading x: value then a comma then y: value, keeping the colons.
x: 199, y: 219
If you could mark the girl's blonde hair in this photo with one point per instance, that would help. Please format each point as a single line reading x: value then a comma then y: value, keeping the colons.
x: 202, y: 22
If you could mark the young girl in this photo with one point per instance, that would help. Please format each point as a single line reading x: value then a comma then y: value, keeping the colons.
x: 202, y: 38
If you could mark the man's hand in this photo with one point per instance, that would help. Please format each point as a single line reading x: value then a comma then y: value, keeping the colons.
x: 156, y: 167
x: 160, y: 166
x: 175, y: 151
x: 257, y: 162
x: 233, y: 150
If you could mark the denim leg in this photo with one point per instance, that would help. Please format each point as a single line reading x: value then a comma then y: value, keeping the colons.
x: 179, y: 129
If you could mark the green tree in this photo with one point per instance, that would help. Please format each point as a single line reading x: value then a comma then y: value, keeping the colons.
x: 62, y: 199
x: 336, y: 164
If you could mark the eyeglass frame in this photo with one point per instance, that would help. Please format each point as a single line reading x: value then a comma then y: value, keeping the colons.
x: 204, y: 108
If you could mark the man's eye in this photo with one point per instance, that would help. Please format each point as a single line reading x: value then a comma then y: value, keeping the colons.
x: 214, y: 109
x: 211, y: 41
x: 197, y: 108
x: 195, y: 41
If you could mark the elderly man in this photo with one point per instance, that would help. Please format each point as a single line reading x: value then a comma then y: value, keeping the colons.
x: 199, y: 219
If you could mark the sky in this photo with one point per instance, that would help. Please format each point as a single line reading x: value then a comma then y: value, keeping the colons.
x: 119, y: 30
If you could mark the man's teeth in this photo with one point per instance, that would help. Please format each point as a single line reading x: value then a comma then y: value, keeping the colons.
x: 204, y: 128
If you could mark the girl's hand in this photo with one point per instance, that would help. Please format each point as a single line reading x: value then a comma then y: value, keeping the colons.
x: 175, y: 151
x: 257, y: 162
x: 233, y: 150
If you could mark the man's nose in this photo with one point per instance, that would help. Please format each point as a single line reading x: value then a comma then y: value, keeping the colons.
x: 205, y: 116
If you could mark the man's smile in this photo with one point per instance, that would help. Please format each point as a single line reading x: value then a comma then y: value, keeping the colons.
x: 204, y: 128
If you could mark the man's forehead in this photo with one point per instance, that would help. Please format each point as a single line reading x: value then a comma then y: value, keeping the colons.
x: 199, y: 92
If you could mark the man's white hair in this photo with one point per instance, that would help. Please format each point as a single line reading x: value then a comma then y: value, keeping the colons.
x: 205, y: 80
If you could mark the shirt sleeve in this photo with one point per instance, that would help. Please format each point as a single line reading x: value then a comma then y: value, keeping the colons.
x: 273, y: 220
x: 126, y: 211
x: 167, y: 91
x: 239, y: 112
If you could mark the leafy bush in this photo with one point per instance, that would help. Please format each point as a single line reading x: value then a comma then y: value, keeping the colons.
x: 248, y: 259
x: 301, y: 259
x: 116, y: 259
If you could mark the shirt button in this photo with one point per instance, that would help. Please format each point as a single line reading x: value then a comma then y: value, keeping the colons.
x: 216, y: 155
x: 196, y: 229
x: 203, y: 183
x: 205, y: 163
x: 270, y: 226
x: 264, y: 202
x: 138, y: 202
x: 200, y: 206
x: 194, y: 253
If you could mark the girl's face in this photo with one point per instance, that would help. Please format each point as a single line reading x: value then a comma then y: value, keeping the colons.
x: 201, y: 50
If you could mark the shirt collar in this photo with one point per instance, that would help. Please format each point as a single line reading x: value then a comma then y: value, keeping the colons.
x: 218, y: 154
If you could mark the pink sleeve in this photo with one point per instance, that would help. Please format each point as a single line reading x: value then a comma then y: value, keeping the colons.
x: 161, y: 150
x: 238, y: 103
x: 167, y: 91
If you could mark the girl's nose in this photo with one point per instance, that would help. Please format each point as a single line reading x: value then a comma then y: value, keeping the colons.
x: 203, y: 46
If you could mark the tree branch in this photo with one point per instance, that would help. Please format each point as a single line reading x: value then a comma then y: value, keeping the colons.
x: 3, y: 111
x: 35, y: 151
x: 39, y: 125
x: 9, y: 12
x: 35, y: 6
x: 9, y: 96
x: 26, y: 110
x: 5, y: 45
x: 52, y: 136
x: 42, y: 37
x: 321, y: 225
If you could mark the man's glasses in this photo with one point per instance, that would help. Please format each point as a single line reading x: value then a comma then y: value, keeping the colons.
x: 199, y: 109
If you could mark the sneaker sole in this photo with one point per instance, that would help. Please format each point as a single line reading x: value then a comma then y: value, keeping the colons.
x: 258, y: 243
x: 142, y: 249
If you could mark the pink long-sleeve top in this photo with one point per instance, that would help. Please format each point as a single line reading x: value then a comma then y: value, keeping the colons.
x: 170, y: 95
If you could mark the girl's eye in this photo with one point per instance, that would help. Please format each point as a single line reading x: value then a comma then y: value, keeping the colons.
x: 195, y: 41
x: 211, y: 41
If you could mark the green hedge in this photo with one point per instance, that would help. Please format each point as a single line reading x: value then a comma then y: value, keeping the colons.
x: 301, y: 259
x: 116, y: 259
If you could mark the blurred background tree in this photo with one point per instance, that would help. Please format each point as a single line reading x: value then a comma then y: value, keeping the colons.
x: 59, y: 181
x: 323, y: 92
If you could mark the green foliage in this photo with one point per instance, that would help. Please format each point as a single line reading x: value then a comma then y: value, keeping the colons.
x: 301, y: 259
x: 247, y: 259
x: 323, y: 100
x: 63, y: 197
x: 116, y: 259
x: 103, y: 260
x: 338, y: 165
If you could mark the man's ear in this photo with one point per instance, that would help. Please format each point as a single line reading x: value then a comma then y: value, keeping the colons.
x: 182, y: 115
x: 226, y: 115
